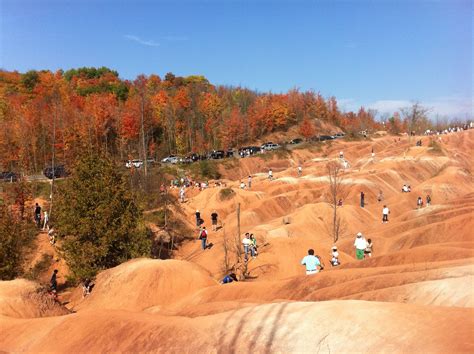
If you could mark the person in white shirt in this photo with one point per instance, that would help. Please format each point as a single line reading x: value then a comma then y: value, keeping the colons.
x: 242, y: 185
x: 360, y: 245
x: 300, y: 170
x: 385, y: 212
x: 311, y: 262
x: 334, y: 257
x: 270, y: 174
x: 247, y: 243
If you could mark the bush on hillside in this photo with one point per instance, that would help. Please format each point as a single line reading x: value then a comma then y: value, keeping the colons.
x: 98, y: 219
x: 15, y: 237
x: 226, y: 194
x: 209, y: 169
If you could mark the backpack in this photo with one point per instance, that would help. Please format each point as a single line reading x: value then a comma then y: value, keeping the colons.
x: 203, y: 234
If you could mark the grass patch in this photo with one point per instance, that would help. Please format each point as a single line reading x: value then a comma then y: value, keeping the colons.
x: 156, y: 217
x: 435, y: 147
x: 226, y: 194
x: 40, y: 267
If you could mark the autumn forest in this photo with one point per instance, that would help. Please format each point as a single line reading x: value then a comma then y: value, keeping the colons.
x: 68, y: 112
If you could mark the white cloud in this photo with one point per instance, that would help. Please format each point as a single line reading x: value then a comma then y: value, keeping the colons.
x: 137, y: 39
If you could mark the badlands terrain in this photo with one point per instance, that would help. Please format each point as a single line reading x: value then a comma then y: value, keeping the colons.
x: 414, y: 295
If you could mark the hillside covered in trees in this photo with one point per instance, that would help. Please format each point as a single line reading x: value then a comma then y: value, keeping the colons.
x: 92, y: 108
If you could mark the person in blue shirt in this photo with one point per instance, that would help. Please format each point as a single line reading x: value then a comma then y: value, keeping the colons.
x: 229, y: 278
x: 311, y: 262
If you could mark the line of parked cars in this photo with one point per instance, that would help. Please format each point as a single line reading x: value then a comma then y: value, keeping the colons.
x: 8, y: 176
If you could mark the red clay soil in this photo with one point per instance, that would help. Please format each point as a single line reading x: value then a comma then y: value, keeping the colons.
x: 414, y: 295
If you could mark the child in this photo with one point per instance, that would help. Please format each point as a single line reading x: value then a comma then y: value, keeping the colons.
x: 368, y: 249
x: 335, y: 257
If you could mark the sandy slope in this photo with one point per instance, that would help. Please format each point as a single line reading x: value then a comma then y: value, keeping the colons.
x: 415, y: 294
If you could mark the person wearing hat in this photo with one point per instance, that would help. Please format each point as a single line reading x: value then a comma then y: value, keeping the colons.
x: 360, y: 245
x: 335, y: 257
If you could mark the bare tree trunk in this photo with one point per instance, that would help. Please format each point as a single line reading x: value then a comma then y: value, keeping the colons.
x: 145, y: 163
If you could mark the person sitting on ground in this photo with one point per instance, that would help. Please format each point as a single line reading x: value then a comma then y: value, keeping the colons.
x: 203, y: 237
x: 86, y: 287
x: 311, y: 262
x: 405, y: 188
x: 360, y: 244
x: 368, y: 248
x: 214, y: 220
x: 242, y: 185
x: 253, y: 246
x: 53, y: 283
x: 428, y: 200
x: 334, y: 257
x: 385, y: 212
x: 229, y: 278
x: 339, y: 202
x: 341, y: 155
x: 419, y: 203
x: 37, y: 215
x: 51, y: 235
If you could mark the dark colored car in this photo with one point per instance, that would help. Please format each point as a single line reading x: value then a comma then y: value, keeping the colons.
x: 229, y: 153
x: 217, y: 154
x: 339, y: 135
x: 194, y: 157
x: 326, y: 137
x: 57, y: 172
x: 8, y: 176
x: 296, y: 141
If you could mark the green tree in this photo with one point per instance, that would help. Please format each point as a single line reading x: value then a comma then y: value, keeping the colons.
x: 15, y: 236
x: 98, y: 219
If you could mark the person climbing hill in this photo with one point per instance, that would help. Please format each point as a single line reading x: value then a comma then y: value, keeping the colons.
x: 203, y: 237
x: 230, y: 278
x: 214, y: 216
x: 311, y: 262
x: 360, y: 245
x: 385, y: 212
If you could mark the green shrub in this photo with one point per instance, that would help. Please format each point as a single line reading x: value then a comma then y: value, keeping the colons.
x: 226, y: 194
x: 208, y: 169
x: 40, y: 267
x: 98, y: 219
x: 435, y: 147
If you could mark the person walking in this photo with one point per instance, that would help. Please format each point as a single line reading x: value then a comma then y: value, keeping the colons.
x: 368, y: 248
x: 428, y: 200
x: 214, y: 220
x: 362, y: 199
x: 37, y: 215
x: 419, y: 203
x: 249, y: 181
x: 198, y: 217
x: 360, y: 245
x: 385, y: 212
x: 53, y: 284
x: 45, y: 220
x: 311, y: 262
x: 247, y: 243
x: 182, y: 194
x: 203, y: 237
x: 300, y: 170
x: 270, y: 174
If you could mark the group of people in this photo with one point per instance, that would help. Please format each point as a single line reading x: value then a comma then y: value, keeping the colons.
x: 42, y: 223
x: 242, y: 184
x: 419, y: 201
x: 249, y: 243
x: 203, y: 234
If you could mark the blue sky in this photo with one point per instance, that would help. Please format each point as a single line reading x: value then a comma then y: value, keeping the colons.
x: 381, y: 54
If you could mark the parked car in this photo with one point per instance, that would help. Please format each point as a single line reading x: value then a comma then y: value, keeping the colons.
x: 185, y: 160
x: 270, y: 146
x: 8, y: 176
x: 134, y: 163
x: 217, y: 154
x: 296, y: 141
x: 58, y: 172
x: 326, y: 137
x: 229, y: 153
x: 194, y: 157
x: 170, y: 159
x: 339, y: 135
